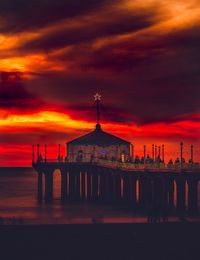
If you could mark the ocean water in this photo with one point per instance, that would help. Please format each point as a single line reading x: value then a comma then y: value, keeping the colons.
x: 18, y: 190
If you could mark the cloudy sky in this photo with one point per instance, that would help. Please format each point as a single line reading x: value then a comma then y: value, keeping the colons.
x: 143, y: 56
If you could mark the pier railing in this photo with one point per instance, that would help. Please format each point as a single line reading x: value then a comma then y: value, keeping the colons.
x: 127, y: 165
x: 132, y: 166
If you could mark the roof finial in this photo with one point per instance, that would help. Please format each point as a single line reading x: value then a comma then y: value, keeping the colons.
x: 97, y: 98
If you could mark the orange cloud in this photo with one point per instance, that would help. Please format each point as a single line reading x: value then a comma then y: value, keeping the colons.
x: 20, y: 130
x: 143, y: 54
x: 64, y: 122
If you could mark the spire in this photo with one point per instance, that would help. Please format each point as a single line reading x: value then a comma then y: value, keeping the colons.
x: 97, y: 98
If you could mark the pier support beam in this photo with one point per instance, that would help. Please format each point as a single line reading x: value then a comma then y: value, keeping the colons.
x: 127, y: 188
x: 63, y: 186
x: 83, y: 193
x: 71, y: 186
x: 117, y: 187
x: 171, y: 195
x: 133, y: 192
x: 95, y: 185
x: 106, y: 190
x: 193, y: 197
x: 67, y: 185
x: 147, y: 190
x: 180, y: 197
x: 78, y: 186
x: 102, y: 192
x: 142, y: 194
x: 157, y: 193
x: 110, y: 189
x: 48, y: 186
x: 40, y: 188
x: 165, y: 198
x: 89, y: 185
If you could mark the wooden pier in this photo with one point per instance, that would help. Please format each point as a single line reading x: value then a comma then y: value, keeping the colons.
x: 138, y: 188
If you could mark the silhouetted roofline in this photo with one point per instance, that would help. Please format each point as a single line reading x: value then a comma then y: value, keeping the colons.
x: 98, y: 137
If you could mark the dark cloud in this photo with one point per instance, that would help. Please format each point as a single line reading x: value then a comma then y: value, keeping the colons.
x: 153, y: 81
x: 23, y: 15
x: 159, y: 79
x: 30, y: 135
x: 150, y: 77
x: 141, y: 50
x: 108, y: 113
x: 13, y: 94
x: 140, y: 98
x: 121, y: 22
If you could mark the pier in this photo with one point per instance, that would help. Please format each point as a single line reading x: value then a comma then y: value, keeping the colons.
x: 101, y: 168
x: 173, y: 190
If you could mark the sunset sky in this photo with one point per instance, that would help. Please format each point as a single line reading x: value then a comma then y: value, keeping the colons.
x: 143, y: 56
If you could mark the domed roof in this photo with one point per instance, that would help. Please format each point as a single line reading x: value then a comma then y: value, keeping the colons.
x: 98, y: 137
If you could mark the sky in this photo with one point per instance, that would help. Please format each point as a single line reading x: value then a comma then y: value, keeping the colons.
x: 143, y: 56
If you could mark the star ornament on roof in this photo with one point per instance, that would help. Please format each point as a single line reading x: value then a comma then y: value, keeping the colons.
x: 97, y: 96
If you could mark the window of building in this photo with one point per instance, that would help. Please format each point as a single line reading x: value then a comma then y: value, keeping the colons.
x: 80, y: 156
x: 123, y: 156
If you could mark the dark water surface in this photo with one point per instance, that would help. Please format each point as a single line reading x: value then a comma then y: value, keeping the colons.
x: 18, y: 189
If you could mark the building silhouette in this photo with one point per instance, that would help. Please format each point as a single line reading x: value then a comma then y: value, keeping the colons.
x: 98, y: 144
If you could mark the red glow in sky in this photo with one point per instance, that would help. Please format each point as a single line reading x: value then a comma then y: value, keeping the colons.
x: 142, y: 56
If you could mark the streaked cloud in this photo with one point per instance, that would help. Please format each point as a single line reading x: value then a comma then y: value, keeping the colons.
x: 143, y: 56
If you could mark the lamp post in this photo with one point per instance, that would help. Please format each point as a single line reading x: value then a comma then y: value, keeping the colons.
x: 153, y: 152
x: 159, y: 151
x: 45, y: 153
x: 156, y: 152
x: 163, y: 153
x: 144, y: 154
x: 132, y: 152
x: 181, y: 152
x: 191, y: 153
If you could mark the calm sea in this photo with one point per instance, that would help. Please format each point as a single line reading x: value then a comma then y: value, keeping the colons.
x: 18, y: 189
